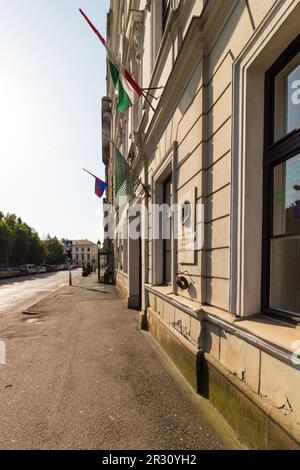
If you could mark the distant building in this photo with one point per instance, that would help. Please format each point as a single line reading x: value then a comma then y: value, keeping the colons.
x: 84, y: 252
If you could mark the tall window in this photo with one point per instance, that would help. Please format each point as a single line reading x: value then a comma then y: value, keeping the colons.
x: 167, y: 255
x: 281, y: 280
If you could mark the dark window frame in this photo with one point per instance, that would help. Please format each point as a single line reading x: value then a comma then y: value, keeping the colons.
x: 168, y: 180
x: 274, y: 154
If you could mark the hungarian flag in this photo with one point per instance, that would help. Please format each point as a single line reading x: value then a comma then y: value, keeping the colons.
x: 100, y: 186
x: 127, y: 88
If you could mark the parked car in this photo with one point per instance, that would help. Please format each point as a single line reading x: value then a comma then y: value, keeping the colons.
x: 41, y: 269
x: 23, y: 271
x: 50, y: 268
x: 16, y: 272
x: 5, y: 272
x: 69, y: 266
x: 28, y: 268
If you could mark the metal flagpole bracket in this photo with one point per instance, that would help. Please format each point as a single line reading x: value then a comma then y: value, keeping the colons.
x: 154, y: 88
x: 146, y: 93
x: 146, y: 98
x: 145, y: 187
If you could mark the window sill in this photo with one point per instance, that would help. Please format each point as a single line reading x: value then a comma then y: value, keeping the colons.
x: 273, y: 331
x: 196, y: 309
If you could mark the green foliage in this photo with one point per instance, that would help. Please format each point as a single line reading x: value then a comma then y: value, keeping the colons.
x: 20, y: 244
x: 55, y: 253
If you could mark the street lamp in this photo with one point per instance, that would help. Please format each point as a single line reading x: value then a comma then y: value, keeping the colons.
x: 99, y: 248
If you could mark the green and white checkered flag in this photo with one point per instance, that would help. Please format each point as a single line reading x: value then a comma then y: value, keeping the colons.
x: 123, y: 178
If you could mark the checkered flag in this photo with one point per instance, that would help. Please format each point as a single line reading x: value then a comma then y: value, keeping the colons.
x: 123, y: 178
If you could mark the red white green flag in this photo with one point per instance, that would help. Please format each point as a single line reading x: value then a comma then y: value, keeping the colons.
x: 128, y: 89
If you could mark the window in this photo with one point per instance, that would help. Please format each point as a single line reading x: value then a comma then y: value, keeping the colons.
x: 88, y: 249
x: 160, y: 12
x: 281, y: 280
x: 167, y: 254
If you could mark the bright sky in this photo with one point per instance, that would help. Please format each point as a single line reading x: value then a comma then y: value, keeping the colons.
x: 52, y: 78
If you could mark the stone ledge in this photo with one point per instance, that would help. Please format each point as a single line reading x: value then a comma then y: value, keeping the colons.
x: 257, y: 331
x: 259, y: 423
x: 272, y: 330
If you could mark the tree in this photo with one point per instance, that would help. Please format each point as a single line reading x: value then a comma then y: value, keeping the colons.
x: 36, y: 249
x: 20, y: 244
x: 6, y: 238
x: 55, y: 253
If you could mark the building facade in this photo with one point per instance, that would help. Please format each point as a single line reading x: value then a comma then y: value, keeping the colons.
x: 219, y: 131
x: 84, y: 252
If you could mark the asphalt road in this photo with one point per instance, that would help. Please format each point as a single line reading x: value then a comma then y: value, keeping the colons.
x: 80, y: 374
x: 19, y: 292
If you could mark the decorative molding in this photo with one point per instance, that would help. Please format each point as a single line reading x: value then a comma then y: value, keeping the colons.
x: 134, y: 33
x: 148, y: 5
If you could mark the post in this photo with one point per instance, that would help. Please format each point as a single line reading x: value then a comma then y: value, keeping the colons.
x: 98, y: 266
x: 70, y: 275
x: 69, y: 246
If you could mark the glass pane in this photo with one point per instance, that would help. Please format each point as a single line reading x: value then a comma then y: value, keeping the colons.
x: 285, y: 274
x: 167, y: 267
x: 285, y: 245
x: 287, y: 110
x: 293, y: 108
x: 167, y: 192
x: 286, y: 204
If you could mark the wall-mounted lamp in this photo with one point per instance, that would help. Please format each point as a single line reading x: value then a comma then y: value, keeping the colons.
x: 182, y: 282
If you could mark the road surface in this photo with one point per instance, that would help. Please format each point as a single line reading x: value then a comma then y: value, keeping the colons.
x: 20, y: 292
x: 80, y: 374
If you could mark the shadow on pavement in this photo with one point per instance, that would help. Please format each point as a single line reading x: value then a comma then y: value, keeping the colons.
x: 92, y: 290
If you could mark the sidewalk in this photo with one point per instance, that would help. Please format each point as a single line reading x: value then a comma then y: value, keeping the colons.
x: 81, y: 375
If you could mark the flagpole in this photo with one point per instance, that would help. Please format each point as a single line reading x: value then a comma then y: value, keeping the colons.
x: 89, y: 172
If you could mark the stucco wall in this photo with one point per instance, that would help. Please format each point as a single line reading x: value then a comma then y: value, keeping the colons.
x: 201, y: 124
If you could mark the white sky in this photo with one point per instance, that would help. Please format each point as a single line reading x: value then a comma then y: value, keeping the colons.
x: 52, y: 78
